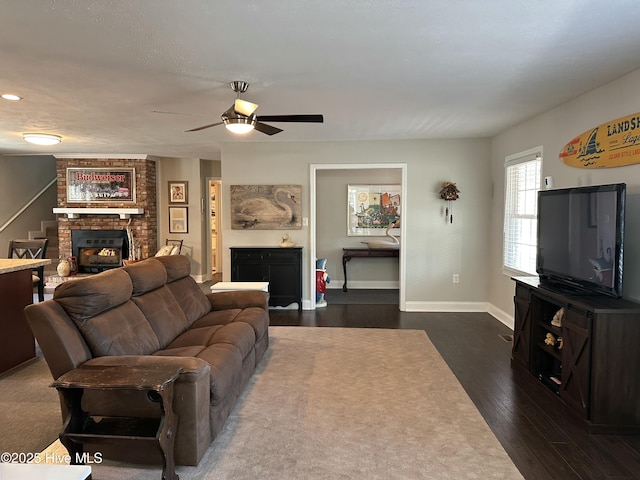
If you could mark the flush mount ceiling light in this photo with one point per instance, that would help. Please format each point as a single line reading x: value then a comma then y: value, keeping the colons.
x: 11, y: 96
x: 41, y: 138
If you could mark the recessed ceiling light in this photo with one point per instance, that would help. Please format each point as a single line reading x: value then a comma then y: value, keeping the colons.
x: 42, y: 138
x: 11, y: 96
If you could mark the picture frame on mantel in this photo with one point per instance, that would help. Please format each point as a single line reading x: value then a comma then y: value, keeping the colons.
x: 178, y: 220
x: 178, y: 192
x: 101, y: 185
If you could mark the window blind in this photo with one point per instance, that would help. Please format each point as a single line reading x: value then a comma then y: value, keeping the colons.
x: 522, y: 182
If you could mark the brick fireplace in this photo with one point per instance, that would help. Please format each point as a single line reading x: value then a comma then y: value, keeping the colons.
x: 144, y: 226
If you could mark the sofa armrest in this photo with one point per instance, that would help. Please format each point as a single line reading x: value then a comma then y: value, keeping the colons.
x: 238, y: 299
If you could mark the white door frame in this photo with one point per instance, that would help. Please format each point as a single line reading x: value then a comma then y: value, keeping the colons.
x: 206, y: 204
x: 312, y: 219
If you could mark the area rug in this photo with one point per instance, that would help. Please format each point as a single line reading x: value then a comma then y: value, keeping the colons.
x: 30, y: 416
x: 339, y: 403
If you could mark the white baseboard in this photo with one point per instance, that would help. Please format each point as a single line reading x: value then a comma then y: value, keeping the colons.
x: 501, y: 316
x: 446, y: 307
x: 365, y: 284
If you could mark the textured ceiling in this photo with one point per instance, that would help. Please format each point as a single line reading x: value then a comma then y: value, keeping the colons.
x: 94, y: 71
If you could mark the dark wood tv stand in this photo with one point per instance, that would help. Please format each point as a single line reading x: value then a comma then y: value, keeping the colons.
x: 596, y: 372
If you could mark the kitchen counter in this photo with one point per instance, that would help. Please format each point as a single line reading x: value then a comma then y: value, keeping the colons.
x: 8, y: 265
x: 17, y: 344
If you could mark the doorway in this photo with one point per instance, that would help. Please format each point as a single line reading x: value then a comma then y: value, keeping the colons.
x: 314, y: 169
x: 215, y: 233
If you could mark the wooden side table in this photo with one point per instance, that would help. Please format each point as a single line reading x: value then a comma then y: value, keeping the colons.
x: 349, y: 253
x: 79, y: 426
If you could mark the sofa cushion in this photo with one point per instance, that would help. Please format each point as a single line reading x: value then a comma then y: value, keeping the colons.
x: 163, y: 313
x: 256, y: 317
x: 225, y: 362
x: 146, y: 276
x: 86, y: 297
x: 123, y: 330
x: 220, y: 317
x: 193, y: 301
x: 239, y: 335
x: 109, y: 321
x: 177, y: 266
x: 226, y: 345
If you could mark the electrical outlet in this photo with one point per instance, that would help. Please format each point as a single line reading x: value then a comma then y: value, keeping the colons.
x: 456, y: 278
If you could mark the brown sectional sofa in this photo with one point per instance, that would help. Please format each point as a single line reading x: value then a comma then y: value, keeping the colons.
x: 153, y: 312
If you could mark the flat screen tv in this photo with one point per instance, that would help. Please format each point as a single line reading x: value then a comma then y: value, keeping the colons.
x: 580, y: 238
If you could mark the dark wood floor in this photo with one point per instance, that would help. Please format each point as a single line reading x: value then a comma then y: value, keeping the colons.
x: 542, y: 437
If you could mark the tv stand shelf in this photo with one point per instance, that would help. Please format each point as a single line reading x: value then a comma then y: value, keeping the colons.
x: 595, y: 368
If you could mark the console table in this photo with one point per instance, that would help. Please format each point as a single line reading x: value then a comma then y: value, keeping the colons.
x: 349, y: 253
x: 79, y: 426
x: 278, y: 266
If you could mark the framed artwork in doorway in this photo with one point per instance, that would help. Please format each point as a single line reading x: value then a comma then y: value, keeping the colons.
x: 178, y: 220
x: 371, y: 209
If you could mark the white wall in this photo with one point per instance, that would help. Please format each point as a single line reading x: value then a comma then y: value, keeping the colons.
x: 553, y: 130
x: 193, y: 171
x: 22, y: 177
x: 435, y: 250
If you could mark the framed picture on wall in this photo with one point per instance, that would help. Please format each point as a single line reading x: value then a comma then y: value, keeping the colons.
x: 101, y: 185
x: 178, y: 191
x: 178, y: 220
x: 371, y: 209
x: 266, y: 207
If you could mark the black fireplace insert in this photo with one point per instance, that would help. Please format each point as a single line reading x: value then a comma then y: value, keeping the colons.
x: 99, y: 250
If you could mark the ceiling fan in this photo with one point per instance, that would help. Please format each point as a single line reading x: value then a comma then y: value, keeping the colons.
x: 241, y: 118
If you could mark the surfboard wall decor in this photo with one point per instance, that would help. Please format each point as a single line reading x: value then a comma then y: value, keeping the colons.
x: 612, y: 144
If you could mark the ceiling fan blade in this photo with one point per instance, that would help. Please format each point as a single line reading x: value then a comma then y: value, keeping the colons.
x: 316, y: 118
x: 268, y: 129
x: 204, y: 126
x: 244, y: 108
x: 176, y: 113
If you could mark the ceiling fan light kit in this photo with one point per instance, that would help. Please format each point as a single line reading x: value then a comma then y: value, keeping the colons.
x: 245, y: 108
x: 240, y: 118
x: 240, y: 125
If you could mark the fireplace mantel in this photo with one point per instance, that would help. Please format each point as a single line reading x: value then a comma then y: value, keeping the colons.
x: 76, y: 212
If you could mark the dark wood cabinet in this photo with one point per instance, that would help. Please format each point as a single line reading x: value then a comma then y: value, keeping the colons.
x: 591, y: 361
x: 281, y: 267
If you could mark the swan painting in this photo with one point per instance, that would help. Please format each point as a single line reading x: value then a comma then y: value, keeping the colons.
x: 266, y: 207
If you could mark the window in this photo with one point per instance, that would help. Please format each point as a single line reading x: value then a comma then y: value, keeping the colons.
x: 522, y: 182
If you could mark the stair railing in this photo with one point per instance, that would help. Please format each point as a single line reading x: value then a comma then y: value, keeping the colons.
x: 27, y: 205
